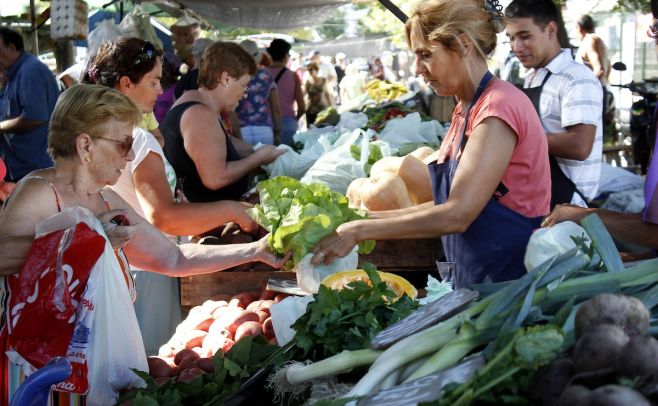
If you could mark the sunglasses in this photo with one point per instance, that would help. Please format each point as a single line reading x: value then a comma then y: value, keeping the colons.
x: 148, y: 52
x: 125, y: 146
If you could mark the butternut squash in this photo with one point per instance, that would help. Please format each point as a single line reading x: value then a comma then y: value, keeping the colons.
x: 413, y: 172
x: 385, y: 191
x: 353, y: 193
x: 422, y: 152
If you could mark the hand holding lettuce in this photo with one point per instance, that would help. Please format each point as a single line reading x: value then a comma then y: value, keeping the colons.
x: 298, y: 216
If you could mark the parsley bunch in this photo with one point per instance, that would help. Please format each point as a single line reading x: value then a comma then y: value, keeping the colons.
x: 348, y: 319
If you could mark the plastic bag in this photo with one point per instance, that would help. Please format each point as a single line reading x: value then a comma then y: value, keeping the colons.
x: 309, y: 276
x: 547, y: 243
x: 44, y: 296
x: 137, y: 23
x: 289, y: 164
x: 410, y: 128
x: 285, y: 313
x: 338, y: 168
x: 106, y: 341
x: 105, y: 31
x: 350, y: 121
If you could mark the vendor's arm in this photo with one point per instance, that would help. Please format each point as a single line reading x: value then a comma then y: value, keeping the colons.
x: 626, y: 227
x: 399, y: 212
x: 205, y: 143
x: 160, y: 208
x: 576, y: 143
x: 480, y: 170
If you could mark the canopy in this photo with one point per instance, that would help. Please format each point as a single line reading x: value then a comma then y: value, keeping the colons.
x: 263, y: 14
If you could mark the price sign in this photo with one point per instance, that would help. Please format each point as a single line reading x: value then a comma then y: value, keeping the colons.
x: 425, y: 316
x: 288, y: 286
x: 425, y: 389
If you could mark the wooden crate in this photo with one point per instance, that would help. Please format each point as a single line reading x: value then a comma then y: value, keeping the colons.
x: 412, y: 259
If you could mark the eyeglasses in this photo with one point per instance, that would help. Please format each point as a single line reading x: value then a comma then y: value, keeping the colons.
x: 244, y: 86
x: 126, y: 145
x: 148, y: 52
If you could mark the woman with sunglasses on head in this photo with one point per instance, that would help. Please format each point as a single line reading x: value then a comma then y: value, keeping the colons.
x: 90, y: 139
x: 211, y: 164
x: 134, y: 67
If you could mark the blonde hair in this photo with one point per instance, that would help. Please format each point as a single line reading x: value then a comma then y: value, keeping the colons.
x: 443, y: 21
x: 224, y: 57
x: 86, y: 108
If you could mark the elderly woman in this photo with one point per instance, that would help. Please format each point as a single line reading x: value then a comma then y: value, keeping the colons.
x: 211, y: 164
x: 90, y: 140
x: 490, y: 178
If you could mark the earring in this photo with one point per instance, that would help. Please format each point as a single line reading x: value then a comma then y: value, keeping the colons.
x: 87, y: 159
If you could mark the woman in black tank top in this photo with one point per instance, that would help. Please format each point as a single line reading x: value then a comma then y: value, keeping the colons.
x: 210, y: 164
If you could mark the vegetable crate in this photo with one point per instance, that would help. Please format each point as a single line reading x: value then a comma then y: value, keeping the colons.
x: 412, y: 259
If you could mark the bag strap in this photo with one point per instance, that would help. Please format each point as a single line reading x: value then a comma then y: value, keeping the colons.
x: 281, y: 72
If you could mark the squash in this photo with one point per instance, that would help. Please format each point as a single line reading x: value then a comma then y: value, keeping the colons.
x: 413, y: 172
x: 385, y: 191
x: 354, y: 192
x: 399, y: 285
x: 422, y: 152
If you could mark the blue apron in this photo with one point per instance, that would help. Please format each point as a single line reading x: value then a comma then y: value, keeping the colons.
x: 493, y: 246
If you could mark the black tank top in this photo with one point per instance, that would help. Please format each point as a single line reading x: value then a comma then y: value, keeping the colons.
x: 188, y: 177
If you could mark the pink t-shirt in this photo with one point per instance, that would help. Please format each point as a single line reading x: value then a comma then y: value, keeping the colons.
x: 286, y: 90
x: 528, y: 175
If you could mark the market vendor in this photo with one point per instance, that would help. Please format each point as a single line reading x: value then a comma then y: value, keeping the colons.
x: 490, y: 178
x: 635, y: 228
x: 211, y: 164
x: 90, y: 140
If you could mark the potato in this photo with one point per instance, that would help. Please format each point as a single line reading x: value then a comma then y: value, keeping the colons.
x: 268, y: 295
x: 211, y: 305
x: 203, y: 324
x: 187, y: 363
x: 253, y: 306
x: 194, y: 338
x: 626, y: 312
x: 158, y: 367
x: 183, y: 354
x: 206, y: 365
x: 189, y: 374
x: 265, y: 305
x: 203, y: 352
x: 235, y: 302
x: 248, y: 328
x: 166, y: 350
x: 273, y: 341
x: 280, y: 297
x: 222, y: 310
x: 213, y: 343
x: 638, y: 358
x: 268, y: 329
x: 227, y: 345
x: 574, y: 395
x: 162, y: 380
x: 551, y: 381
x: 174, y: 371
x: 243, y: 318
x: 617, y: 395
x: 598, y: 348
x: 244, y: 298
x: 262, y: 315
x: 225, y: 319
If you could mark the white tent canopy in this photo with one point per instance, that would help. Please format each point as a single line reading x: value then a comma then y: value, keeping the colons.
x: 263, y: 14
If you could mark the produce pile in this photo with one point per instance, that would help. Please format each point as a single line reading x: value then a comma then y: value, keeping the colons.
x: 517, y: 327
x: 382, y: 90
x: 208, y: 344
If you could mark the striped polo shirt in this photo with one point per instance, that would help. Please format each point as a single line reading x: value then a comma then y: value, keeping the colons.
x: 572, y: 95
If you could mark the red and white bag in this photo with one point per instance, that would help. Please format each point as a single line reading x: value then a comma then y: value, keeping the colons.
x: 79, y: 306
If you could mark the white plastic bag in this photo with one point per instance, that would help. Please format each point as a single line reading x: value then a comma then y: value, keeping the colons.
x: 289, y: 164
x: 404, y: 130
x: 338, y: 168
x: 547, y: 243
x: 309, y: 276
x: 285, y: 313
x: 350, y: 121
x: 105, y: 31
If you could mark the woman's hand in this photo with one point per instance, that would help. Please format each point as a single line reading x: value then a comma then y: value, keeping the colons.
x: 565, y: 212
x: 337, y: 244
x: 266, y: 256
x: 241, y: 218
x: 115, y: 225
x: 268, y: 153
